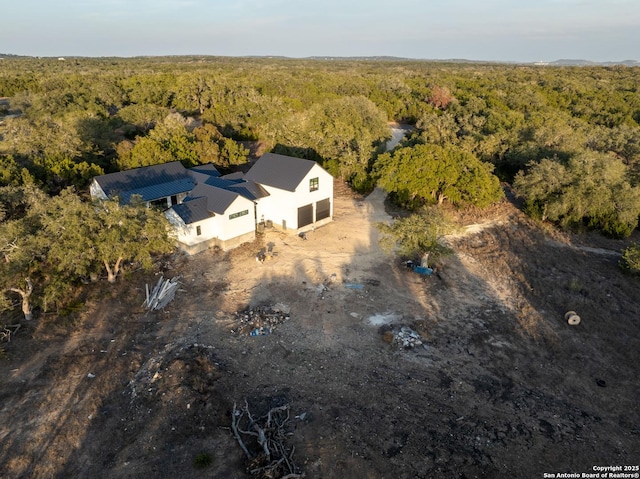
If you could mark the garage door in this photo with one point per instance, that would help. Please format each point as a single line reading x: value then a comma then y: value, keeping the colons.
x: 305, y: 215
x: 323, y: 209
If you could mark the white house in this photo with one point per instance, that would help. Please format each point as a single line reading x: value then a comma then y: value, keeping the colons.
x: 212, y: 216
x: 224, y: 211
x: 300, y: 192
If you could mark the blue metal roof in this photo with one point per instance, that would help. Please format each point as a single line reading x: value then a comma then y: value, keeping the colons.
x: 162, y: 190
x: 207, y: 169
x: 150, y: 182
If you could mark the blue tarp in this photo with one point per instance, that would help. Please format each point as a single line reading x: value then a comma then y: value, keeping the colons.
x: 423, y: 270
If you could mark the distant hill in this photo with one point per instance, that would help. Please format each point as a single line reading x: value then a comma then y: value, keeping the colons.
x: 381, y: 58
x: 586, y: 63
x: 10, y: 55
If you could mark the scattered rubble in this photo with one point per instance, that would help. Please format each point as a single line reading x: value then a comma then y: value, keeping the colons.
x: 403, y: 337
x: 261, y: 320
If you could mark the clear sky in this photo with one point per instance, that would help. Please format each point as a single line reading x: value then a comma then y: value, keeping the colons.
x: 500, y: 30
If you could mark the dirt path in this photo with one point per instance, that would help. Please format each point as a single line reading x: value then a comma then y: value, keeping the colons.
x: 499, y: 384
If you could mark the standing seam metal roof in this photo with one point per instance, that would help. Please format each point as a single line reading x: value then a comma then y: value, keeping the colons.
x: 193, y: 210
x: 279, y: 171
x: 151, y: 182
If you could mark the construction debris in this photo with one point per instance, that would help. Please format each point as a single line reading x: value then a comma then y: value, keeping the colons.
x: 261, y: 320
x: 162, y: 294
x: 403, y: 338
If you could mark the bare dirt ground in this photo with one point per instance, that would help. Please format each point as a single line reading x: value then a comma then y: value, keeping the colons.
x: 501, y: 385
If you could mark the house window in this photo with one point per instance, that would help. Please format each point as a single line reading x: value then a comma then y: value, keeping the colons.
x: 198, y: 230
x: 238, y: 214
x: 314, y: 184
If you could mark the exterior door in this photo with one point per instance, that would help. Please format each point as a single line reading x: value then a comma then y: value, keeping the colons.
x: 305, y: 215
x: 323, y: 209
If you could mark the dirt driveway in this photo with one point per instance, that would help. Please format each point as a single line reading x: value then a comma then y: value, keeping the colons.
x: 492, y: 382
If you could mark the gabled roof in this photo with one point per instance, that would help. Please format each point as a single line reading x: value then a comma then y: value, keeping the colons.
x: 204, y: 202
x: 238, y: 175
x: 248, y: 189
x: 194, y: 210
x: 150, y: 182
x: 207, y: 169
x: 279, y: 171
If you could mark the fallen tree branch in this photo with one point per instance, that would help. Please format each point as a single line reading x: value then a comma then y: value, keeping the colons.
x: 268, y: 456
x: 234, y: 427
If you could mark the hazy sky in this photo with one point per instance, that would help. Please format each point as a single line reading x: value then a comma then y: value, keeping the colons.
x: 504, y: 30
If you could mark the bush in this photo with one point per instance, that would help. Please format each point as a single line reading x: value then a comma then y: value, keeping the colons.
x: 202, y: 460
x: 631, y: 259
x: 417, y: 234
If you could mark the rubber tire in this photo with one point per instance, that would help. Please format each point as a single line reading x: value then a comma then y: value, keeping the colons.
x: 574, y: 320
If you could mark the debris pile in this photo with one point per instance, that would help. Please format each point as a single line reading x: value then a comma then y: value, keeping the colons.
x: 404, y: 338
x: 261, y: 320
x: 162, y: 294
x: 263, y: 440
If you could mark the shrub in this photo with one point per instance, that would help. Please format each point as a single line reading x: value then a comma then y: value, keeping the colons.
x: 202, y: 460
x: 631, y: 259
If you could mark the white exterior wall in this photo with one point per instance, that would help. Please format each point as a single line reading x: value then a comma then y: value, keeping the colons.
x: 278, y: 207
x: 325, y: 190
x: 283, y: 205
x: 237, y: 226
x: 218, y: 226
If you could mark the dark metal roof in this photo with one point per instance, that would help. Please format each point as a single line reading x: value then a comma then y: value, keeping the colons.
x: 279, y: 171
x: 150, y: 182
x: 219, y: 182
x: 162, y: 190
x: 205, y: 201
x: 218, y: 199
x: 238, y: 175
x: 249, y: 189
x: 194, y: 210
x: 207, y: 169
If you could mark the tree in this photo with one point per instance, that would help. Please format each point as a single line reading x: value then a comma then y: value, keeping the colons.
x: 10, y: 171
x: 23, y: 264
x: 417, y: 234
x: 594, y: 189
x: 431, y: 173
x: 168, y: 141
x: 71, y: 224
x: 128, y: 233
x: 440, y: 97
x: 345, y: 133
x: 232, y: 153
x: 143, y: 117
x: 631, y: 259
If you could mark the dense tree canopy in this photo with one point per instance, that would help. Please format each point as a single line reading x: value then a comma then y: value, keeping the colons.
x: 51, y: 244
x: 591, y: 189
x: 431, y: 173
